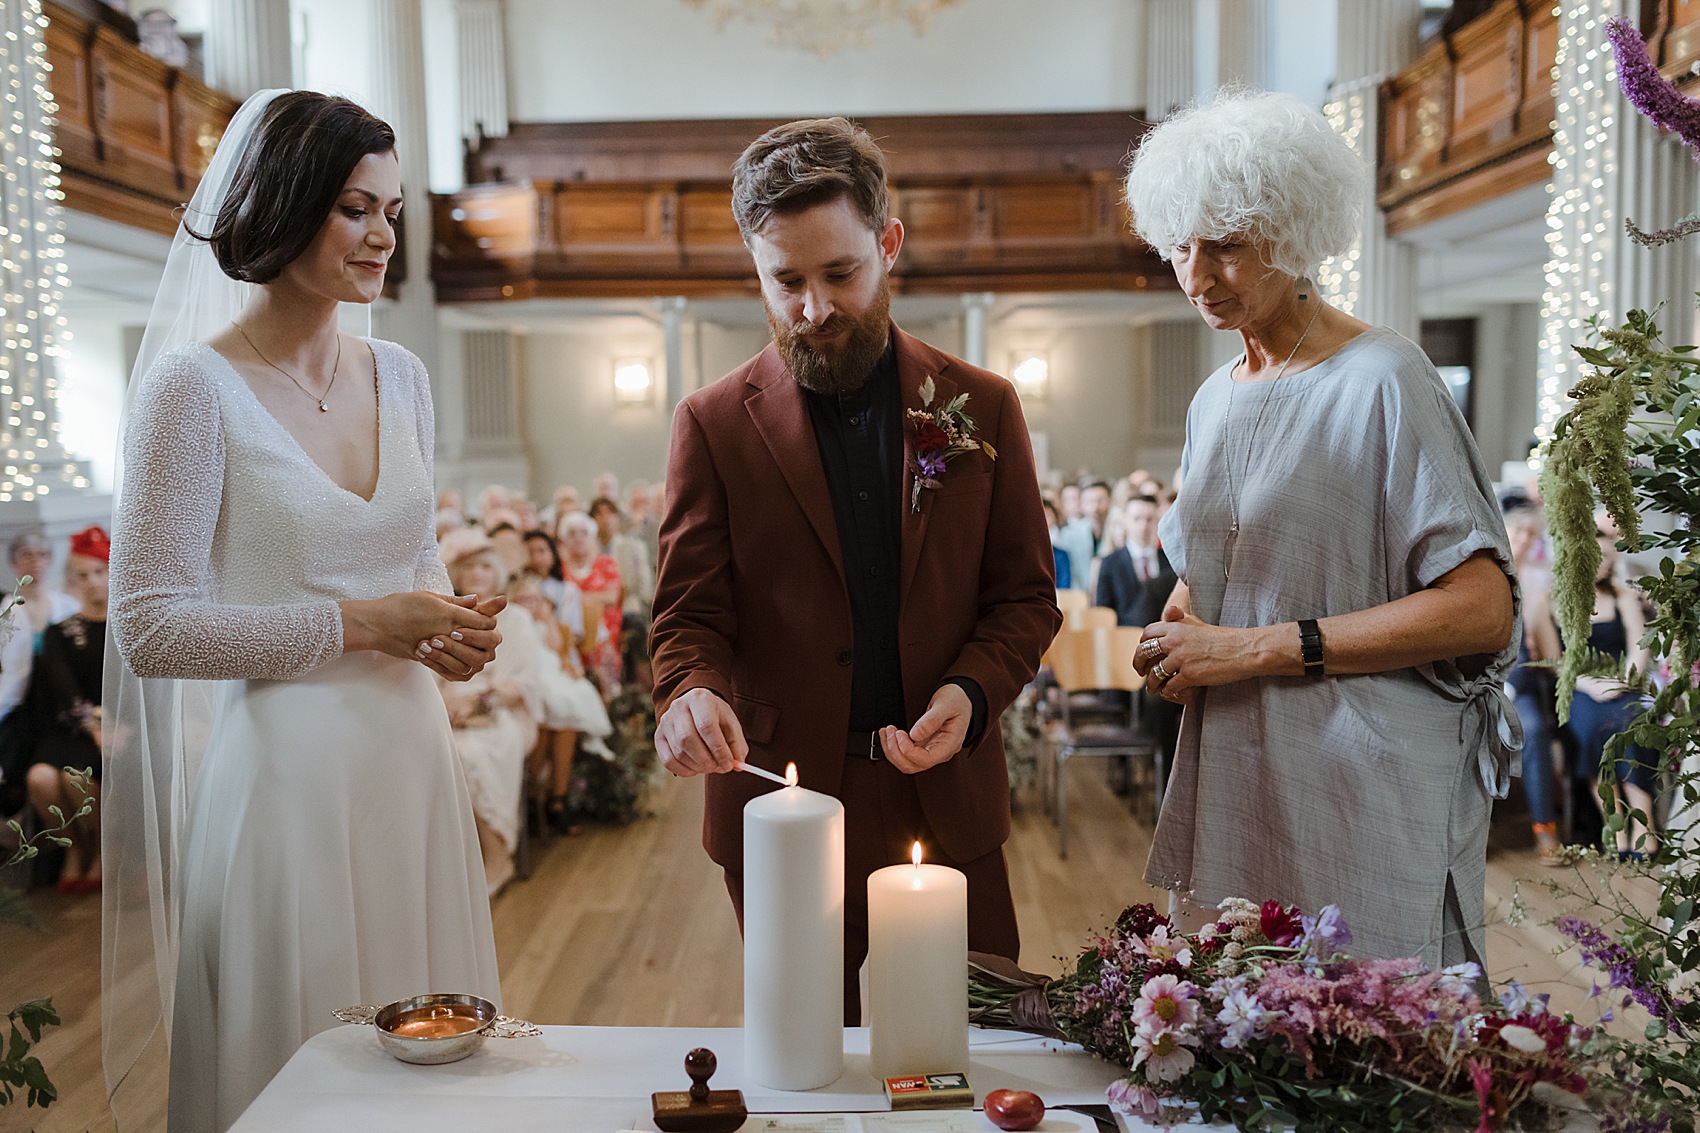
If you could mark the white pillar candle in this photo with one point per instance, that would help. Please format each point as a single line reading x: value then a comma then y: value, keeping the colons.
x: 794, y: 938
x: 917, y: 969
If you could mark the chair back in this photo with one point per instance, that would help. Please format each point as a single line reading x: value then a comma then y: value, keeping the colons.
x: 1096, y: 617
x: 1071, y: 603
x: 1096, y: 658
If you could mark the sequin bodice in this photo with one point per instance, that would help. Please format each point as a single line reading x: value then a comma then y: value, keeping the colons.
x: 231, y: 547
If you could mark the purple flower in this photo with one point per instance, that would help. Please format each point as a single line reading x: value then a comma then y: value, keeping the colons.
x: 932, y: 463
x: 1647, y: 90
x: 1326, y: 933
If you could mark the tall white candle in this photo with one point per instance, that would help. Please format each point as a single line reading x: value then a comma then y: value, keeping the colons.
x: 917, y: 969
x: 794, y: 938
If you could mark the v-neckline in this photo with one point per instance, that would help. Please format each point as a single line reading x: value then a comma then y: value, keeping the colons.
x: 378, y: 395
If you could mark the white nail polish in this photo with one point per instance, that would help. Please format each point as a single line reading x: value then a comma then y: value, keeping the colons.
x: 456, y: 635
x: 436, y: 644
x: 424, y: 647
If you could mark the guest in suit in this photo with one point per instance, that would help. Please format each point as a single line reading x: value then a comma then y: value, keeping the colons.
x: 1087, y: 538
x: 822, y: 598
x: 1135, y: 581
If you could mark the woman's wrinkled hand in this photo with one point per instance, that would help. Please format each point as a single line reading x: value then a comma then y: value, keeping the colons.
x: 455, y: 637
x: 1182, y: 654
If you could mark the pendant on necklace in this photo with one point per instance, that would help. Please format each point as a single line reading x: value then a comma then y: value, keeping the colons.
x: 1228, y: 549
x: 323, y: 408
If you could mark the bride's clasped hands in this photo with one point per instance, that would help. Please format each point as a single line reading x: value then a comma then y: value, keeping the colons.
x: 450, y: 635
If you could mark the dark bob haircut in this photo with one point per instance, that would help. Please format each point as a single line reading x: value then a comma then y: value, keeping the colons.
x: 302, y: 153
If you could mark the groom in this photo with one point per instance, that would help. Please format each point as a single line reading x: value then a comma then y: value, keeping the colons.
x: 813, y: 605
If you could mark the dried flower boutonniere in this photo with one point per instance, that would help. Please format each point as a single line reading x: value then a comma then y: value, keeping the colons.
x: 941, y: 432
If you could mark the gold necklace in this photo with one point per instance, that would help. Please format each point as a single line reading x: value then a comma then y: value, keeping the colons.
x: 320, y: 398
x: 1233, y: 496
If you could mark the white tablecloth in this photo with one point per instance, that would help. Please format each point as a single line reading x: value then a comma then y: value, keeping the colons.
x: 598, y: 1080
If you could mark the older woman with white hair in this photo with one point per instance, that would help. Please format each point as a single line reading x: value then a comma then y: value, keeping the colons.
x: 495, y: 713
x: 1345, y: 617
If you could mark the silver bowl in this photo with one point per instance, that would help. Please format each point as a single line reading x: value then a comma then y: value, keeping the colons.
x: 433, y: 1029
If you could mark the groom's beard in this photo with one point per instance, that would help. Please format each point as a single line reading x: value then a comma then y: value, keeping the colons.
x: 841, y: 366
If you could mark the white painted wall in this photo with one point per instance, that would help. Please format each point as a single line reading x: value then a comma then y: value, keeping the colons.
x: 597, y: 60
x: 93, y: 374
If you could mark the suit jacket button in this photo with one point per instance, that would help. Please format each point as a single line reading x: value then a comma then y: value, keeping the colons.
x: 845, y: 656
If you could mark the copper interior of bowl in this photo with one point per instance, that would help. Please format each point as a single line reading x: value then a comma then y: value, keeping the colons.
x: 410, y: 1019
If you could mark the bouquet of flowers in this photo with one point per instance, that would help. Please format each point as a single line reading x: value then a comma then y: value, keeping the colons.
x: 1262, y: 1019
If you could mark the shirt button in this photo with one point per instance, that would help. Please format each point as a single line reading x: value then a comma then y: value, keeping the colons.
x: 855, y: 420
x: 874, y: 570
x: 845, y: 657
x: 863, y: 496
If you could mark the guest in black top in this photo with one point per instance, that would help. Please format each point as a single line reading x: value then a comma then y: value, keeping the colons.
x: 64, y: 704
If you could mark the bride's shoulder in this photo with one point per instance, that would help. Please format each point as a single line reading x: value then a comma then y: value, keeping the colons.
x: 193, y: 370
x: 395, y: 356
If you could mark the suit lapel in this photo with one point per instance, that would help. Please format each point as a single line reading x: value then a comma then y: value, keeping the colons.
x: 779, y: 414
x: 916, y: 362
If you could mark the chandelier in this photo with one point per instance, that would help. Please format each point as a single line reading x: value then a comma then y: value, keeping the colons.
x: 824, y: 27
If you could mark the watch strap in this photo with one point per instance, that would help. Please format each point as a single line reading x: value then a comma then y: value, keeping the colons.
x: 1310, y: 646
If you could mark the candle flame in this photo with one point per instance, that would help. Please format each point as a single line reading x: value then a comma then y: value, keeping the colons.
x: 915, y: 855
x: 791, y: 774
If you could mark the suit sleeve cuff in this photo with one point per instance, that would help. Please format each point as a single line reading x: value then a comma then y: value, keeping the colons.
x: 977, y: 697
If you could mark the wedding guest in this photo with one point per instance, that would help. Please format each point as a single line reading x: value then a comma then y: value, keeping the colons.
x: 644, y: 509
x: 1532, y: 688
x: 29, y: 556
x: 572, y: 708
x: 280, y: 611
x: 1603, y: 707
x: 64, y: 705
x: 628, y: 554
x: 816, y: 606
x: 509, y: 543
x: 1068, y: 499
x: 1085, y: 539
x: 601, y: 591
x: 564, y: 502
x: 606, y: 485
x: 1059, y: 557
x: 495, y: 713
x: 1347, y: 610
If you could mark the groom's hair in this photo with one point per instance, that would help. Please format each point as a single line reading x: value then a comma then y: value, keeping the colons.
x: 300, y: 156
x: 806, y: 163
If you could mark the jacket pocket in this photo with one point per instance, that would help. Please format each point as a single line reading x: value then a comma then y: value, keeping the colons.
x: 759, y: 718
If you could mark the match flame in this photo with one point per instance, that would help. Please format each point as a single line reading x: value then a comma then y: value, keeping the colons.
x: 915, y: 855
x: 790, y: 774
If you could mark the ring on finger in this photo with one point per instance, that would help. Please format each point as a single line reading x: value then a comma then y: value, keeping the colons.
x: 1160, y: 672
x: 1153, y: 650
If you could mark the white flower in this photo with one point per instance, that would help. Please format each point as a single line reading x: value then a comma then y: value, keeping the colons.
x: 1163, y: 1052
x: 1459, y: 979
x: 1242, y: 1014
x: 1162, y: 945
x: 1521, y: 1038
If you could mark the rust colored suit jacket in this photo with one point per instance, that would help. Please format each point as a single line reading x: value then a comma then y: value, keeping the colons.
x: 750, y: 600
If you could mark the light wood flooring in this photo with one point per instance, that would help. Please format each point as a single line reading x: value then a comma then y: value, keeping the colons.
x: 633, y: 927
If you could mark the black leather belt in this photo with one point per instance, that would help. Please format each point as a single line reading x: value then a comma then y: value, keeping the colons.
x: 864, y: 744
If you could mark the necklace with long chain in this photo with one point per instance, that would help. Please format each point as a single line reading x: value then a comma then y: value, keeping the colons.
x: 1251, y: 438
x: 318, y: 397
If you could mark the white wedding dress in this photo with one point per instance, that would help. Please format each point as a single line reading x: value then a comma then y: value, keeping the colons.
x: 330, y: 856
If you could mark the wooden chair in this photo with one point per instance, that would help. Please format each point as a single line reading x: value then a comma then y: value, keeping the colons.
x: 1089, y: 661
x: 1071, y: 602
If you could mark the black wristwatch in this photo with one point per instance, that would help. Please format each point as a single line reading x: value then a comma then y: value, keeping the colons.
x: 1310, y: 644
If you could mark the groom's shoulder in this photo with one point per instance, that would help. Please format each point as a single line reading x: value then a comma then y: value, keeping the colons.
x: 970, y: 378
x: 730, y: 390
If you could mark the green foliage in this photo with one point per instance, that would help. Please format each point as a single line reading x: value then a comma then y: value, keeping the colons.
x: 611, y: 790
x: 1633, y: 440
x: 20, y: 1070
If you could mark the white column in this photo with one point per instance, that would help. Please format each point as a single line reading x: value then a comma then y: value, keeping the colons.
x: 1242, y: 43
x: 398, y: 97
x: 494, y: 449
x: 1609, y: 165
x: 483, y: 68
x: 1169, y: 80
x: 673, y: 310
x: 975, y: 337
x: 248, y: 46
x: 1376, y: 279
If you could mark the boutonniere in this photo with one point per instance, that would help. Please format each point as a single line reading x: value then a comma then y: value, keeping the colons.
x: 941, y: 432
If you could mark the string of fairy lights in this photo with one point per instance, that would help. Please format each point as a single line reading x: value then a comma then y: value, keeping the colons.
x: 1340, y: 278
x: 1582, y: 220
x: 32, y: 267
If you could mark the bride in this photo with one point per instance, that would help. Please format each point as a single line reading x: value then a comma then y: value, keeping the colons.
x: 308, y: 843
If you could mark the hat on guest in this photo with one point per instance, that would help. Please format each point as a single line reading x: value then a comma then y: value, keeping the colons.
x: 461, y: 542
x: 92, y: 543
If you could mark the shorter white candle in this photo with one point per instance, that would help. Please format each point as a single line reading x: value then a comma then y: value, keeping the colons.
x: 794, y: 938
x: 917, y: 969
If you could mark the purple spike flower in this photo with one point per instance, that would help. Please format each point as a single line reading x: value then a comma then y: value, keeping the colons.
x: 1647, y: 90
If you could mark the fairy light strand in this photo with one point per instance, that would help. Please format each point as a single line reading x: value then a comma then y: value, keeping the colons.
x: 33, y: 330
x: 1582, y: 216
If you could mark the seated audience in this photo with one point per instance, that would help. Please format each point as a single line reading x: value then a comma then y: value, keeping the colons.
x: 636, y: 568
x: 1532, y: 688
x: 64, y: 705
x: 1053, y: 520
x: 1085, y: 538
x: 30, y: 557
x: 562, y: 504
x: 601, y: 593
x: 495, y: 714
x: 572, y: 708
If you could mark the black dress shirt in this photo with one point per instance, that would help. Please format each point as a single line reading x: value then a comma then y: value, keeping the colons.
x: 860, y: 437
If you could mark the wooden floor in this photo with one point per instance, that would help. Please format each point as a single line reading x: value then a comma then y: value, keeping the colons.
x: 633, y: 927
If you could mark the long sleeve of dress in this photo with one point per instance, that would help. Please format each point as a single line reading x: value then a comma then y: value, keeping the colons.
x: 429, y: 573
x: 164, y: 617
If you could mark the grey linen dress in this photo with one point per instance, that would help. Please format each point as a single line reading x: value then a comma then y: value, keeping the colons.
x: 1360, y: 485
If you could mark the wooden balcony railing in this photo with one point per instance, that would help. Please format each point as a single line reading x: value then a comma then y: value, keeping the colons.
x: 134, y: 135
x: 1471, y: 119
x: 1006, y: 202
